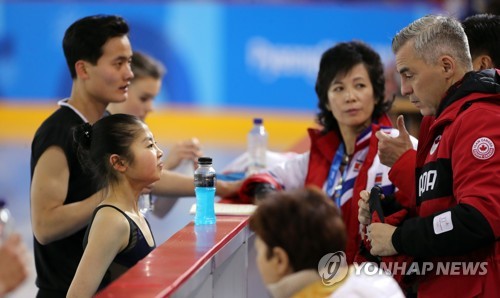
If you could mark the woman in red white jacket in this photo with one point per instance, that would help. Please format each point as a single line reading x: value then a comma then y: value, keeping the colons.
x: 342, y: 159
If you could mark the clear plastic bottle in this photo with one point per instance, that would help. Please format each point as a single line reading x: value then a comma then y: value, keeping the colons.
x: 6, y: 222
x: 257, y: 147
x: 205, y: 180
x: 146, y: 203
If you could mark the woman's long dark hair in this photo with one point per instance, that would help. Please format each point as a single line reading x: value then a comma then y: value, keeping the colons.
x: 95, y: 144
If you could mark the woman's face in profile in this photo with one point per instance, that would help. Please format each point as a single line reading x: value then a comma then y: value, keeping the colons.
x: 142, y: 92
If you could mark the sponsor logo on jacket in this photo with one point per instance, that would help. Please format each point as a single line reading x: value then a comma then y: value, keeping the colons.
x: 427, y: 182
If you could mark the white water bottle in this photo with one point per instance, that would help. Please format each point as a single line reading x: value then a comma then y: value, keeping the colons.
x: 257, y: 147
x: 6, y: 222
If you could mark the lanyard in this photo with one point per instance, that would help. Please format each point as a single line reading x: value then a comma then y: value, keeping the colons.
x: 331, y: 190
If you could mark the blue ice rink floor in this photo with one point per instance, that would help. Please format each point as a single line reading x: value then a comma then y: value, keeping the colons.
x: 15, y: 184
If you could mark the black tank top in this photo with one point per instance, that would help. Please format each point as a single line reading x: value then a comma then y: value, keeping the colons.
x: 135, y: 251
x: 57, y: 261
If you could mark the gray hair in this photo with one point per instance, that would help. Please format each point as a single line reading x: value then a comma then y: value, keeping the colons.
x: 434, y: 36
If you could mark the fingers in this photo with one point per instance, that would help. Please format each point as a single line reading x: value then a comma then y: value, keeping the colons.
x: 228, y: 188
x: 186, y: 150
x: 374, y: 244
x: 401, y: 126
x: 14, y: 260
x: 192, y: 143
x: 195, y: 142
x: 362, y: 229
x: 368, y: 234
x: 191, y: 148
x: 13, y: 240
x: 381, y: 136
x: 391, y: 148
x: 364, y: 195
x: 380, y: 237
x: 364, y: 215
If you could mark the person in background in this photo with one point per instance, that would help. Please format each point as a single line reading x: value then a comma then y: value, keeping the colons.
x: 458, y: 218
x: 122, y: 153
x: 342, y: 159
x: 63, y: 197
x: 143, y: 89
x: 13, y: 264
x: 483, y: 34
x: 295, y: 232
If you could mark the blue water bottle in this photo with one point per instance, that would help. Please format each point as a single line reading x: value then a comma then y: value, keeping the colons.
x: 204, y: 188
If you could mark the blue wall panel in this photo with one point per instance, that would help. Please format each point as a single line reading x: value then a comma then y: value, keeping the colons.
x: 217, y: 55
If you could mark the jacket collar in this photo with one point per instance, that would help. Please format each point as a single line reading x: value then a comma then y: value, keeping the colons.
x: 327, y: 143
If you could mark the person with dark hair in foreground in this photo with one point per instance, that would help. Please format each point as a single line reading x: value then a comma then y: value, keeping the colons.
x: 297, y: 232
x: 294, y: 231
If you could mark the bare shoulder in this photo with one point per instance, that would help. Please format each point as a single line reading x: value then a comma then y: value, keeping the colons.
x: 108, y: 219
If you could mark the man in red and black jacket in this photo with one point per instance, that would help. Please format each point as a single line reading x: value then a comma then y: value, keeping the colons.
x: 457, y: 174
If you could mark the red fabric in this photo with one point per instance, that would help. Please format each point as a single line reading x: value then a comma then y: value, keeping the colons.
x: 404, y: 178
x: 474, y: 183
x: 394, y: 219
x: 323, y: 148
x: 246, y: 190
x: 476, y: 188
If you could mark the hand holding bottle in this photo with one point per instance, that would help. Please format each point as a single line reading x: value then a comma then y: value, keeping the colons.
x: 6, y: 222
x: 188, y: 150
x: 14, y: 263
